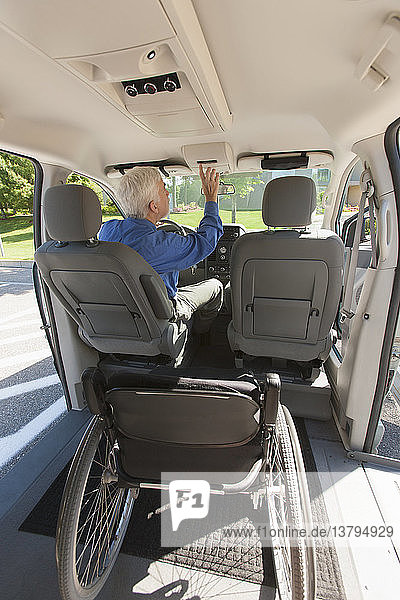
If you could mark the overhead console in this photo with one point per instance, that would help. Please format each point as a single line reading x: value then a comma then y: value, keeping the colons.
x: 169, y: 85
x: 217, y: 155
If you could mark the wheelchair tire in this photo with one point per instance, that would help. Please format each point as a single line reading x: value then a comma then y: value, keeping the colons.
x: 289, y: 506
x: 93, y: 518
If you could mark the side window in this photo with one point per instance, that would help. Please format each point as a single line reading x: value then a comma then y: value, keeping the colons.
x: 109, y: 209
x: 17, y: 182
x: 321, y: 179
x: 346, y: 223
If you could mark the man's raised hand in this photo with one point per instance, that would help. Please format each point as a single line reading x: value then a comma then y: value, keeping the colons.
x: 210, y: 183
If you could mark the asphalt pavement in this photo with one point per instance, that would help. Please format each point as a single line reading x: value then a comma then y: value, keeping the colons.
x: 31, y: 395
x: 390, y: 443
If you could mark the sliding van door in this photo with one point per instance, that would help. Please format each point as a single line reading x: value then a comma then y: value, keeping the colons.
x: 384, y: 422
x: 358, y: 367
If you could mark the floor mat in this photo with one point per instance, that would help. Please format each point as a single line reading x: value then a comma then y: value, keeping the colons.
x: 217, y: 353
x: 211, y: 550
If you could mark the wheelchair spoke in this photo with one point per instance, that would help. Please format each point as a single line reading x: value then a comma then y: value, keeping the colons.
x: 95, y: 515
x: 102, y: 525
x: 285, y: 510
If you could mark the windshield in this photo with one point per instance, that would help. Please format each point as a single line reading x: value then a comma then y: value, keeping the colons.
x: 244, y: 207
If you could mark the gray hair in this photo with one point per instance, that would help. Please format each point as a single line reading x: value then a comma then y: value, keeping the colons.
x: 137, y: 188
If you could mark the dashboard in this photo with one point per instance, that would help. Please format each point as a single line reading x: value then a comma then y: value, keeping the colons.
x: 217, y: 264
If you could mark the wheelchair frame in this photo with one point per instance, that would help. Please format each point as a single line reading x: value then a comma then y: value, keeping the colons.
x: 93, y: 520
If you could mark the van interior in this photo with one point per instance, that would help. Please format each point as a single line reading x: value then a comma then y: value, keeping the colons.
x: 296, y: 106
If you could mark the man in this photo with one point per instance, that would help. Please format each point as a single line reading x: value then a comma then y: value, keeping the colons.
x: 144, y: 199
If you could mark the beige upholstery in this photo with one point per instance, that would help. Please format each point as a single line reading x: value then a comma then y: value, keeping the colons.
x: 118, y: 301
x: 72, y: 212
x: 289, y: 202
x: 286, y: 284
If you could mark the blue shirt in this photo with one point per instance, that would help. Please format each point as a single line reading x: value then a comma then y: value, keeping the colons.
x: 167, y: 252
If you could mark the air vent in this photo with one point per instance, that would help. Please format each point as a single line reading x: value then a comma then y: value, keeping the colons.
x: 152, y: 85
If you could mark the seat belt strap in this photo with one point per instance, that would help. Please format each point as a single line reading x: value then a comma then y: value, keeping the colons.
x: 367, y: 190
x: 371, y: 201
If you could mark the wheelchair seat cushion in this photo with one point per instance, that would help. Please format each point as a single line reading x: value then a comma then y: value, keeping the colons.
x: 121, y: 374
x: 180, y: 420
x: 189, y: 417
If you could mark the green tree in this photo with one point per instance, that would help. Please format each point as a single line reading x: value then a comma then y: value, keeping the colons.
x: 187, y: 190
x: 244, y: 183
x: 82, y: 180
x: 107, y: 204
x: 17, y: 181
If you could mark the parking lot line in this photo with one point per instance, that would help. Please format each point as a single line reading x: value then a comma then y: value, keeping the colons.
x: 24, y: 359
x: 19, y: 314
x: 28, y: 386
x: 23, y: 338
x: 14, y: 443
x: 29, y: 284
x: 13, y: 326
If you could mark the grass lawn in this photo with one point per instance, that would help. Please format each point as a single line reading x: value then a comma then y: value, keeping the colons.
x: 251, y: 219
x: 17, y: 237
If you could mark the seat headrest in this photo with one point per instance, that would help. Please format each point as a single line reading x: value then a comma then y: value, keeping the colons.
x: 72, y: 213
x: 289, y: 201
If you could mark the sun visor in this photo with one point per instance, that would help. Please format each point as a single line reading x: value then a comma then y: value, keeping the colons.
x: 180, y: 170
x: 116, y: 171
x: 284, y: 160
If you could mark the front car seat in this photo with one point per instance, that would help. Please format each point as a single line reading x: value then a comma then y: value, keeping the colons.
x: 118, y: 301
x: 286, y: 283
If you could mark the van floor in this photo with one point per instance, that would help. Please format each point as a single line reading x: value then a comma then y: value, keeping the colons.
x: 215, y: 352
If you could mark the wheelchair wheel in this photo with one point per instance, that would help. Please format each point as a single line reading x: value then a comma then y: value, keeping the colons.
x: 93, y: 518
x: 289, y: 510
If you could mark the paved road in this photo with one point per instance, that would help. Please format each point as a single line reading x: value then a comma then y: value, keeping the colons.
x: 31, y: 396
x: 390, y: 444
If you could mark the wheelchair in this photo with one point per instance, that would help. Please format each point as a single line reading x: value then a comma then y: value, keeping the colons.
x: 165, y: 420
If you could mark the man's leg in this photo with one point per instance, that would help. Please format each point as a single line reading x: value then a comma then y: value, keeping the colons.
x: 203, y: 299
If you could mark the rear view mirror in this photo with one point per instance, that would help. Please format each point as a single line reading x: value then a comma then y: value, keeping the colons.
x: 224, y: 189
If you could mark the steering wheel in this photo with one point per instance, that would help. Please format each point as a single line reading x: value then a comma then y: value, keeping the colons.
x: 169, y: 225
